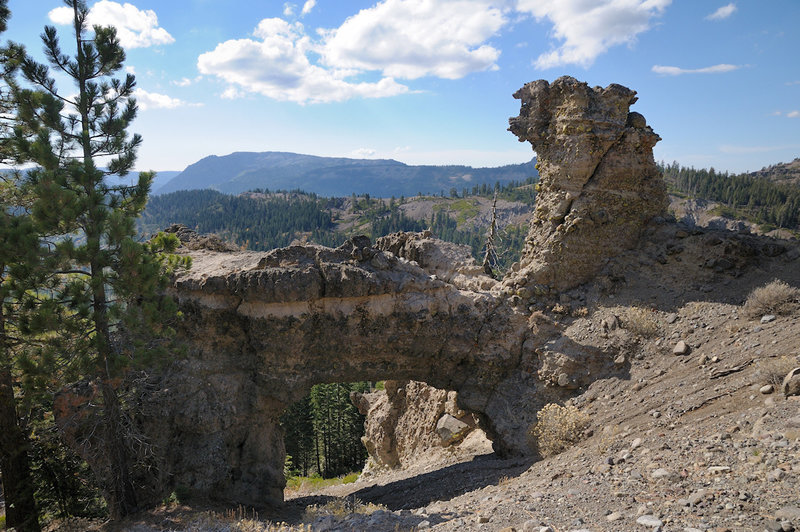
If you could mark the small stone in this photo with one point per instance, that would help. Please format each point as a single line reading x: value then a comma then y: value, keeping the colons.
x: 427, y: 524
x: 788, y: 513
x: 680, y: 348
x: 506, y: 529
x: 660, y: 473
x: 672, y: 318
x: 767, y: 318
x: 649, y: 520
x: 530, y: 526
x: 767, y: 389
x: 776, y: 476
x: 613, y: 516
x: 636, y: 443
x: 697, y: 497
x: 719, y: 469
x: 483, y: 519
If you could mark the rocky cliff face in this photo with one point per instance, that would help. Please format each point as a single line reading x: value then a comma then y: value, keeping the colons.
x: 599, y: 184
x: 262, y: 328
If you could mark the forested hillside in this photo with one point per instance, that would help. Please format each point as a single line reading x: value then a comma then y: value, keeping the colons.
x: 262, y: 220
x: 758, y: 199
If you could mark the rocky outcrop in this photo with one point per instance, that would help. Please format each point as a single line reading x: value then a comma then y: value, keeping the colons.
x: 409, y: 421
x: 261, y: 328
x: 599, y: 184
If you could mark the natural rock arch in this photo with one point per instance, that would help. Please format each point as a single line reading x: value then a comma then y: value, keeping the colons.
x: 262, y: 328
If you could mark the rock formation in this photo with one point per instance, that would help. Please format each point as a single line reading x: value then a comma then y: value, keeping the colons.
x: 409, y: 420
x: 261, y: 328
x: 599, y: 184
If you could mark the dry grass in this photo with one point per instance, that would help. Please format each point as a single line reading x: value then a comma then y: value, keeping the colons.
x: 776, y: 298
x: 340, y: 508
x: 558, y: 428
x: 773, y: 370
x: 641, y: 322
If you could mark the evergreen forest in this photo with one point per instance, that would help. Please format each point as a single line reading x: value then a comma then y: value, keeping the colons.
x: 758, y: 199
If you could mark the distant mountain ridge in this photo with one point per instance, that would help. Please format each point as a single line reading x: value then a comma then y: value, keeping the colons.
x: 335, y: 176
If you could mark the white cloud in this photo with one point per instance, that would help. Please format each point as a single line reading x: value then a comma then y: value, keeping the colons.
x: 153, y: 100
x: 723, y: 12
x: 677, y: 71
x: 185, y: 82
x: 793, y: 114
x: 130, y: 69
x: 308, y: 6
x: 135, y: 28
x: 589, y: 28
x: 278, y: 66
x: 413, y: 38
x: 288, y: 9
x: 363, y: 153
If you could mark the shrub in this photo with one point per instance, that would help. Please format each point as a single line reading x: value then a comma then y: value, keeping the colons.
x: 774, y: 370
x: 558, y: 428
x: 641, y: 322
x: 776, y: 297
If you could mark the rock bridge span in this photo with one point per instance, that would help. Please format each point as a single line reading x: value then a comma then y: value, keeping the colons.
x: 262, y: 328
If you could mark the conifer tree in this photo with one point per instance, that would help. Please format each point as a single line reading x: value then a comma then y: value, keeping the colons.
x: 18, y: 246
x: 107, y: 283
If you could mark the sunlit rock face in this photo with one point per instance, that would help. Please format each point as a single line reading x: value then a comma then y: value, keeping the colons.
x: 599, y: 184
x: 260, y: 329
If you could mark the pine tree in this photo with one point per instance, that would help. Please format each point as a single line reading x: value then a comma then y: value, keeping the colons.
x: 18, y: 242
x: 18, y: 246
x: 108, y: 283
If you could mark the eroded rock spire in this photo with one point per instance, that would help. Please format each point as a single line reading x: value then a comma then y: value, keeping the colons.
x: 599, y: 184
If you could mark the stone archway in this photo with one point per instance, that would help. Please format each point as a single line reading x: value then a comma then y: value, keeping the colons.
x: 262, y: 328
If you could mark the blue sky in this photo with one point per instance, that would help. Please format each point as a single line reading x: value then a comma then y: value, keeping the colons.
x: 430, y: 81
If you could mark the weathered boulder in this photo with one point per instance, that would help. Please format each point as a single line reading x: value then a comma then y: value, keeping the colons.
x: 791, y: 383
x: 599, y: 184
x: 410, y: 420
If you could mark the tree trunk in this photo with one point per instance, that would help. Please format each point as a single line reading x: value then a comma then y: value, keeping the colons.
x: 119, y: 488
x: 21, y: 511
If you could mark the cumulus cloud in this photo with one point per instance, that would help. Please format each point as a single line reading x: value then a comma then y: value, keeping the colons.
x: 397, y: 40
x: 277, y: 65
x: 590, y: 28
x: 136, y: 28
x: 677, y: 71
x: 308, y: 6
x: 413, y: 38
x: 723, y: 12
x: 153, y: 100
x: 288, y: 9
